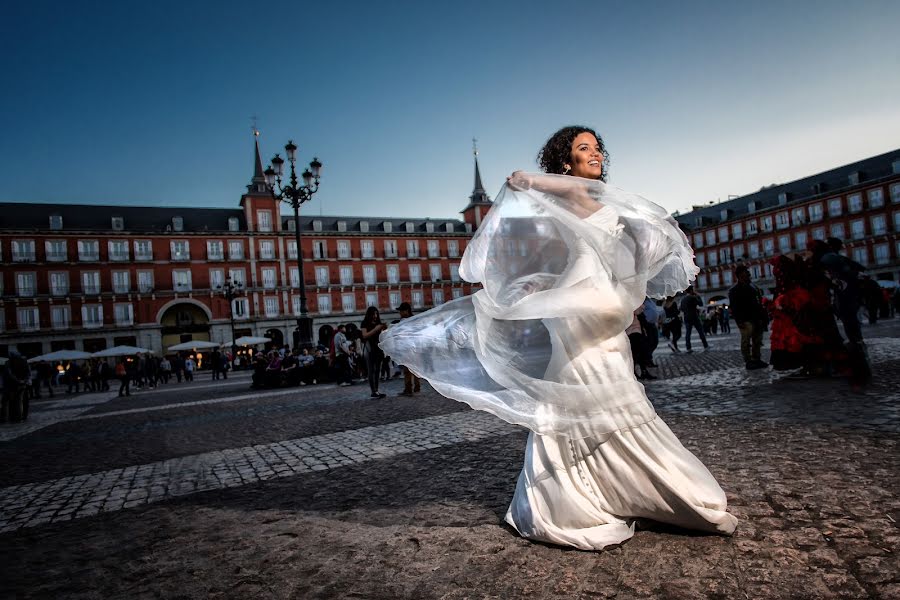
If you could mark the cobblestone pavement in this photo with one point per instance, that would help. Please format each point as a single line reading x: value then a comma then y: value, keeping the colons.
x: 211, y: 490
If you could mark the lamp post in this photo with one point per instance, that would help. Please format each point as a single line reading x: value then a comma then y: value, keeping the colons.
x: 232, y: 290
x: 295, y: 195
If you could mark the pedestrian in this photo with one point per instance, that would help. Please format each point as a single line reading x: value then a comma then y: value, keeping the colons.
x: 165, y: 369
x: 44, y: 374
x: 16, y: 379
x: 726, y: 319
x: 649, y: 318
x: 214, y: 360
x: 189, y: 366
x: 370, y: 329
x: 690, y: 308
x: 340, y: 355
x: 73, y: 378
x: 672, y: 322
x: 745, y: 300
x: 123, y: 374
x: 638, y: 341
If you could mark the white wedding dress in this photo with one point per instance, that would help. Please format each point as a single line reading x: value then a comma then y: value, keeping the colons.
x: 543, y: 345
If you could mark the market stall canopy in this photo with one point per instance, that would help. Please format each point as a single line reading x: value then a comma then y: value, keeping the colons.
x: 121, y: 351
x: 61, y: 355
x: 249, y: 340
x: 193, y: 345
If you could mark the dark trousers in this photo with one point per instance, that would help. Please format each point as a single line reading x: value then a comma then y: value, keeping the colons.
x: 639, y: 350
x: 342, y: 369
x: 652, y: 339
x: 751, y: 341
x: 125, y: 386
x: 373, y: 367
x: 848, y: 312
x: 693, y: 324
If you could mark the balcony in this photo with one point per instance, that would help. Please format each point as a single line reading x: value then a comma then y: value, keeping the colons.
x: 118, y: 256
x: 23, y: 257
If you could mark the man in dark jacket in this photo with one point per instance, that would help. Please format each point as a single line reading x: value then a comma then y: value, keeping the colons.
x: 690, y: 308
x: 749, y: 315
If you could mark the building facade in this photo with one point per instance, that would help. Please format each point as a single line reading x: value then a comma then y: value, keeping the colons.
x: 89, y: 277
x: 858, y: 203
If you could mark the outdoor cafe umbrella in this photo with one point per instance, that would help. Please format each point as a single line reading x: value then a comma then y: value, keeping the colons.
x: 121, y: 351
x: 193, y: 345
x: 249, y: 340
x: 61, y: 355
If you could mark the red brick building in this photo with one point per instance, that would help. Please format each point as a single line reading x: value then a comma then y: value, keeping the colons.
x: 90, y: 277
x: 858, y: 203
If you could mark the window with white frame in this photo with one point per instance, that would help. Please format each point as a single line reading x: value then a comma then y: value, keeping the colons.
x: 410, y: 227
x: 177, y: 223
x: 234, y: 224
x: 882, y: 254
x: 118, y: 250
x: 123, y: 313
x: 767, y: 223
x: 800, y: 240
x: 895, y: 192
x: 727, y: 278
x: 710, y: 237
x: 343, y: 249
x: 60, y: 317
x: 390, y: 248
x: 725, y: 254
x: 324, y: 303
x: 876, y: 198
x: 372, y: 299
x: 270, y: 304
x: 369, y: 277
x: 294, y: 274
x: 317, y: 225
x: 180, y: 250
x: 738, y: 251
x: 723, y: 233
x: 235, y: 249
x: 266, y: 250
x: 145, y: 281
x: 268, y: 278
x: 698, y: 240
x: 364, y: 226
x: 90, y: 282
x: 23, y: 251
x: 452, y: 248
x: 879, y: 225
x: 237, y: 277
x: 215, y: 250
x: 56, y: 222
x: 394, y: 298
x: 121, y: 281
x: 415, y: 273
x: 143, y: 250
x: 854, y: 203
x: 412, y: 248
x: 342, y: 225
x: 751, y: 227
x: 28, y: 318
x: 59, y: 283
x: 241, y: 308
x: 897, y: 220
x: 454, y: 273
x: 216, y: 279
x: 388, y: 226
x: 296, y: 304
x: 798, y: 216
x: 323, y: 277
x: 393, y: 274
x: 782, y: 221
x: 457, y: 293
x: 857, y: 229
x: 714, y: 280
x: 26, y: 285
x: 320, y: 249
x: 181, y: 280
x: 434, y: 248
x: 837, y: 230
x: 368, y: 248
x: 815, y: 212
x: 769, y: 246
x: 348, y: 302
x: 435, y: 272
x: 292, y: 249
x: 701, y: 259
x: 818, y: 233
x: 88, y: 250
x: 861, y: 255
x: 701, y: 282
x: 713, y: 257
x: 429, y: 226
x: 784, y: 244
x: 346, y: 274
x: 737, y: 231
x: 437, y: 297
x: 418, y: 299
x: 264, y: 220
x: 91, y: 315
x: 835, y: 207
x: 753, y: 249
x: 755, y: 271
x: 56, y: 250
x: 449, y: 228
x: 769, y: 271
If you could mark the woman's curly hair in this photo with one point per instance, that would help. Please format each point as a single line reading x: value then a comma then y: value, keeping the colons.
x: 558, y: 150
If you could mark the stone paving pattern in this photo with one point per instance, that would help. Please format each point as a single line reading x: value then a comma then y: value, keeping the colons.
x: 810, y: 469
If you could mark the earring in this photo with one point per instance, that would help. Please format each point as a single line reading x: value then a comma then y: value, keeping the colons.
x: 566, y: 170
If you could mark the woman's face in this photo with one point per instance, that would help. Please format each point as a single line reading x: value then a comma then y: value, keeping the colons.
x: 586, y: 158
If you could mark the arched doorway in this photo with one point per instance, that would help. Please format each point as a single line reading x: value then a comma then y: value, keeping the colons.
x: 183, y: 322
x: 276, y: 336
x: 326, y: 332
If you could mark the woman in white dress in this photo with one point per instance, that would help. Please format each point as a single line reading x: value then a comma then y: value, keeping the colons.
x: 564, y: 260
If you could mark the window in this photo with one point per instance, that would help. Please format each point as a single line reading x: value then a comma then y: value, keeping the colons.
x: 769, y: 271
x: 369, y: 274
x: 181, y: 280
x: 858, y: 229
x: 751, y: 227
x: 346, y: 274
x: 782, y: 221
x: 59, y: 283
x: 23, y: 251
x: 727, y: 278
x: 270, y: 304
x: 854, y: 203
x: 882, y: 254
x: 264, y: 220
x: 317, y: 225
x: 177, y: 224
x: 323, y: 278
x: 434, y: 249
x: 415, y: 273
x: 268, y: 278
x: 388, y: 227
x: 55, y: 250
x: 711, y: 237
x: 418, y: 299
x: 348, y: 302
x: 235, y: 249
x: 56, y: 222
x: 266, y: 250
x: 701, y: 259
x: 895, y: 192
x: 320, y: 249
x: 364, y: 227
x: 143, y: 250
x: 60, y: 317
x: 90, y: 282
x: 294, y: 274
x: 118, y: 250
x: 234, y: 224
x: 698, y: 240
x: 879, y: 225
x: 712, y: 257
x: 324, y: 301
x: 457, y: 293
x: 121, y: 282
x: 725, y: 254
x: 393, y: 274
x: 837, y: 230
x: 180, y: 250
x: 410, y: 227
x: 861, y: 255
x: 437, y: 297
x: 395, y: 299
x: 701, y: 282
x: 818, y: 233
x: 738, y: 251
x: 412, y: 248
x: 123, y: 313
x: 292, y: 249
x: 216, y: 279
x: 784, y: 244
x: 390, y: 248
x: 343, y: 249
x: 876, y: 198
x: 435, y: 272
x: 452, y: 248
x: 88, y: 250
x: 368, y: 248
x: 798, y: 216
x: 767, y: 223
x: 755, y: 271
x: 897, y: 220
x: 342, y: 225
x: 92, y: 315
x: 372, y: 299
x: 834, y: 207
x: 800, y: 240
x: 769, y: 246
x: 723, y: 234
x: 714, y: 280
x: 753, y: 249
x: 815, y: 212
x: 28, y: 319
x: 429, y: 226
x: 296, y: 302
x: 737, y: 231
x: 118, y: 223
x: 215, y: 250
x: 448, y: 227
x: 240, y: 308
x: 145, y: 281
x: 26, y: 285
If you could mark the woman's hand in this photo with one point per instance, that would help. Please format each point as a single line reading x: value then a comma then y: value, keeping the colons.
x: 520, y: 180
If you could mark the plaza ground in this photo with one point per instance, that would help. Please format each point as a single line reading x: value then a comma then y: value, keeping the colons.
x: 211, y: 490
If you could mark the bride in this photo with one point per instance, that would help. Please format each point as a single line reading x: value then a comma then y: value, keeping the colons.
x: 564, y: 260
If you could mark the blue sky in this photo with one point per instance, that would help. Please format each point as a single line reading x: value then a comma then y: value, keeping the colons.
x: 150, y: 103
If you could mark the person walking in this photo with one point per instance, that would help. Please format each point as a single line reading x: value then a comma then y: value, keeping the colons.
x: 745, y: 301
x: 370, y: 328
x: 189, y: 367
x: 649, y: 318
x: 411, y: 383
x: 124, y: 373
x: 340, y: 355
x: 690, y: 308
x: 672, y: 322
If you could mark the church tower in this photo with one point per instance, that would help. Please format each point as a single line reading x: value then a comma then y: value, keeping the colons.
x: 479, y: 202
x: 261, y: 210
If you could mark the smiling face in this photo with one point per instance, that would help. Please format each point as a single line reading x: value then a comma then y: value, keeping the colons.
x: 586, y: 157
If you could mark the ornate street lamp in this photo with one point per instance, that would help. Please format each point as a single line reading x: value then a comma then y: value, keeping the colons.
x: 295, y: 195
x: 232, y: 290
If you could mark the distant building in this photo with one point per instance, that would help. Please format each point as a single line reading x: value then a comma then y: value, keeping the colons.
x: 89, y: 277
x: 858, y: 203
